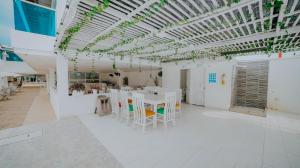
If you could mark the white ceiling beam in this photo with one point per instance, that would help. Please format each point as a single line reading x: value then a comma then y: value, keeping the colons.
x: 205, y: 5
x: 222, y: 30
x: 208, y: 15
x: 180, y: 17
x: 90, y: 56
x: 296, y: 21
x: 294, y: 6
x: 248, y: 38
x: 216, y: 12
x: 68, y: 16
x: 215, y: 3
x: 188, y: 8
x: 244, y: 20
x: 261, y: 15
x: 281, y: 14
x: 259, y: 36
x: 125, y: 17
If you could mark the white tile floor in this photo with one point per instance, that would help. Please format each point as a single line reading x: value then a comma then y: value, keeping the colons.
x: 204, y: 138
x: 65, y: 143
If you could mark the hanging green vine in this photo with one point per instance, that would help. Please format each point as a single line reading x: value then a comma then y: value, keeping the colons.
x: 230, y: 2
x: 125, y: 25
x: 87, y: 18
x: 276, y: 5
x: 75, y: 62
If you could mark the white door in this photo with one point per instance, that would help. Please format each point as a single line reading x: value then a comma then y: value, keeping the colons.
x: 197, y: 86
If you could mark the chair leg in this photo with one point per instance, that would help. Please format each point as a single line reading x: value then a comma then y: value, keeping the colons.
x: 165, y: 123
x: 128, y: 118
x: 154, y: 122
x: 174, y: 122
x: 133, y: 125
x: 180, y: 113
x: 144, y: 128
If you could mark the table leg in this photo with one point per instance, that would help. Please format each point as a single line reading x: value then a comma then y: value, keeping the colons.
x: 155, y: 116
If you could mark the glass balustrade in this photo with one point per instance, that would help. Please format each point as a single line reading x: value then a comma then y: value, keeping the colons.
x: 10, y: 56
x: 34, y: 18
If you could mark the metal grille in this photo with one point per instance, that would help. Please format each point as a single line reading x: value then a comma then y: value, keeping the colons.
x: 251, y: 84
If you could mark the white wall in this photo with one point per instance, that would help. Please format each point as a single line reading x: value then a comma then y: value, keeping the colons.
x: 31, y: 41
x: 171, y: 77
x: 136, y: 78
x: 3, y: 82
x: 218, y: 95
x: 115, y: 79
x: 284, y: 85
x: 77, y: 105
x: 16, y: 67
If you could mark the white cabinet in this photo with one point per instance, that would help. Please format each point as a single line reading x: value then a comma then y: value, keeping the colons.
x: 196, y: 86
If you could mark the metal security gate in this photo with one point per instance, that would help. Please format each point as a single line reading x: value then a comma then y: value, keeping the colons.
x: 250, y: 87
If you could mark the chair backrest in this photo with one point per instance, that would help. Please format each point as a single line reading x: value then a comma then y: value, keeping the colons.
x: 126, y: 88
x: 138, y: 108
x: 150, y: 89
x: 114, y: 100
x: 123, y: 97
x: 178, y: 96
x: 170, y: 106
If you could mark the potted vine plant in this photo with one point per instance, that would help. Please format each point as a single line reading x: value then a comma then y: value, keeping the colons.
x: 77, y: 89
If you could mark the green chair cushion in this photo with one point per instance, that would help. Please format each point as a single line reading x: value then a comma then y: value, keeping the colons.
x: 130, y: 108
x: 160, y: 110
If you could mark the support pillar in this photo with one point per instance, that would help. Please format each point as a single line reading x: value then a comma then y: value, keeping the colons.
x: 62, y: 83
x: 62, y: 75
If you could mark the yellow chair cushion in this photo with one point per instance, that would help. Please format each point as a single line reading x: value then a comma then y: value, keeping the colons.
x: 149, y: 113
x: 177, y: 105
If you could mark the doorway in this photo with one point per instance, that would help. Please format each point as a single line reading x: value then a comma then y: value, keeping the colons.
x: 195, y: 86
x: 250, y: 87
x: 184, y: 84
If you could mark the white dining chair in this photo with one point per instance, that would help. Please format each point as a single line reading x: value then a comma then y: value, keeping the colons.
x: 114, y: 100
x: 150, y: 89
x: 141, y: 116
x: 178, y: 103
x: 126, y: 107
x: 167, y: 114
x: 126, y: 88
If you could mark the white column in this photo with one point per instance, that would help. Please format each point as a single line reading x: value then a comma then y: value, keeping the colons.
x: 51, y: 78
x: 62, y: 75
x: 1, y: 82
x: 47, y: 82
x: 62, y: 85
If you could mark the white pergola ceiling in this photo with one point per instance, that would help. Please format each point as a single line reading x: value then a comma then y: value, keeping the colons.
x: 206, y: 26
